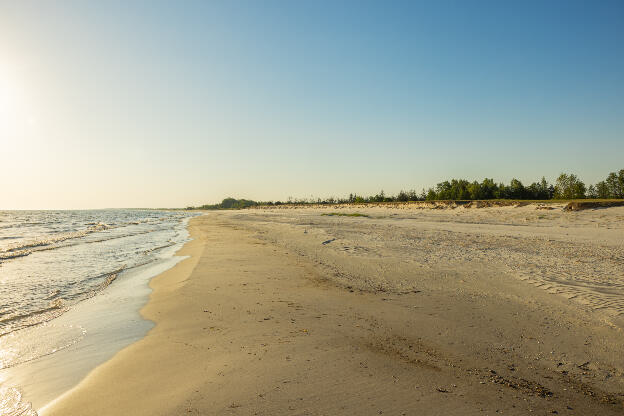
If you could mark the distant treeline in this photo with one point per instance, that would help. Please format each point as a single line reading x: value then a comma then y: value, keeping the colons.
x: 567, y: 186
x: 229, y: 203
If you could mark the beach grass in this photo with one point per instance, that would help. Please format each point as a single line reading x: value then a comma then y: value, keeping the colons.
x: 344, y: 214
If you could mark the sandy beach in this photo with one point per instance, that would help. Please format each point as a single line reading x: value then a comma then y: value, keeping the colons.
x: 403, y: 310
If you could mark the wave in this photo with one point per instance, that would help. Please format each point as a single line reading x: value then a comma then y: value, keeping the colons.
x: 25, y: 248
x: 169, y: 244
x: 48, y: 240
x: 53, y: 294
x: 14, y: 255
x: 107, y: 274
x: 53, y: 305
x: 24, y: 320
x: 57, y: 305
x: 115, y: 237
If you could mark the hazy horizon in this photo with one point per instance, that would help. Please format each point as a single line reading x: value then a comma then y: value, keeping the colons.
x: 163, y: 104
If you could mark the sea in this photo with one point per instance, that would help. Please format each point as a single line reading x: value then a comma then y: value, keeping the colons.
x: 69, y: 277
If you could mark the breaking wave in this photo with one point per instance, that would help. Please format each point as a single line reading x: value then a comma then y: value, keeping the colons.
x: 27, y: 247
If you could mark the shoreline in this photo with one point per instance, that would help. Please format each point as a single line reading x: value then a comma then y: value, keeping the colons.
x: 188, y: 251
x: 252, y: 324
x: 87, y: 334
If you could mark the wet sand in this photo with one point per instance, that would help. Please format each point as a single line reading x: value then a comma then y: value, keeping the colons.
x: 434, y: 312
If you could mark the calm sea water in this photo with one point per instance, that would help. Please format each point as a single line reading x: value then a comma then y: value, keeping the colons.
x: 51, y: 260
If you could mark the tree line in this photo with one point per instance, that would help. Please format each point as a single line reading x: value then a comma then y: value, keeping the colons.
x: 229, y: 203
x: 567, y: 186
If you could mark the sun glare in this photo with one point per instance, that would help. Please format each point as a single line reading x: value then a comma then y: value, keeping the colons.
x: 18, y: 125
x: 8, y: 101
x: 15, y: 117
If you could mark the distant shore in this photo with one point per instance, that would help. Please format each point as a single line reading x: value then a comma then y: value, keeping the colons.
x: 471, y: 312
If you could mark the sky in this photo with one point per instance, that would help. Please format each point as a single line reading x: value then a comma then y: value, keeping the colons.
x: 170, y: 104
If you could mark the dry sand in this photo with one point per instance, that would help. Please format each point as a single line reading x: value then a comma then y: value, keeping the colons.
x: 407, y: 311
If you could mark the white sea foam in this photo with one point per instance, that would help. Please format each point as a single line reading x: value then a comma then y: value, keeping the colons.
x: 11, y: 403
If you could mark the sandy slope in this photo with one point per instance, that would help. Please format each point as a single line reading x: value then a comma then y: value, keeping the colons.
x: 485, y: 311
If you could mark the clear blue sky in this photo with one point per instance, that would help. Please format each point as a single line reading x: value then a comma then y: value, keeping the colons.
x: 114, y: 104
